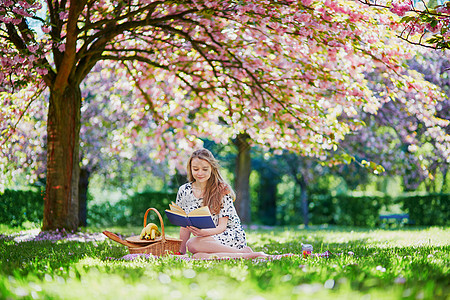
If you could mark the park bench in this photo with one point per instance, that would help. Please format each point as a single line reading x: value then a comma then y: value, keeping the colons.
x: 396, y: 218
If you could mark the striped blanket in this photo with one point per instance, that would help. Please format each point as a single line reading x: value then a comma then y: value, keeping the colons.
x: 131, y: 257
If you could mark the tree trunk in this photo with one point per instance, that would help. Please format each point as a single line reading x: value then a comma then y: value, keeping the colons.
x: 63, y: 130
x: 304, y: 200
x: 82, y: 196
x: 242, y: 178
x: 267, y: 196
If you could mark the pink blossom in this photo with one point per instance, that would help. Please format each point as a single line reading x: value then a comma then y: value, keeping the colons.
x: 21, y: 11
x: 42, y: 71
x: 46, y: 29
x: 434, y: 29
x: 33, y: 48
x: 62, y: 47
x: 16, y: 21
x: 260, y: 10
x: 400, y: 7
x: 244, y: 18
x: 303, y: 17
x: 443, y: 10
x: 38, y: 5
x: 63, y: 15
x: 331, y: 4
x: 307, y: 2
x: 18, y: 60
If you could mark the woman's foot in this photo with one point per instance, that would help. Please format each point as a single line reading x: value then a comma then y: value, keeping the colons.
x: 248, y: 255
x: 255, y: 255
x: 201, y: 255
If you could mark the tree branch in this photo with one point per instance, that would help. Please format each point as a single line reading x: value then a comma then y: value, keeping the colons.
x: 68, y: 62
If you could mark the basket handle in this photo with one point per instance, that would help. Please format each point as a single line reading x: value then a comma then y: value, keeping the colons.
x: 163, y: 236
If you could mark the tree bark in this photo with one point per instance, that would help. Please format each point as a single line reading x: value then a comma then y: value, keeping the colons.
x: 83, y: 185
x: 304, y: 199
x: 242, y: 178
x: 63, y: 131
x: 267, y: 195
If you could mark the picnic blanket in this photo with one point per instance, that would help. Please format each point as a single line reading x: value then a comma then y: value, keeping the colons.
x: 131, y: 257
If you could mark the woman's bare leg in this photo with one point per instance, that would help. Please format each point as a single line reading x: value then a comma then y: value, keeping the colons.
x: 231, y: 255
x: 208, y: 244
x: 247, y: 249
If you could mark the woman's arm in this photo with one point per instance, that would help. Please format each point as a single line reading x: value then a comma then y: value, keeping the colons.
x: 210, y: 231
x: 185, y: 234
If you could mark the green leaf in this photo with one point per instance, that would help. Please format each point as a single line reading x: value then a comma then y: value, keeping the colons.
x: 434, y: 23
x: 433, y: 40
x: 407, y: 19
x: 347, y: 158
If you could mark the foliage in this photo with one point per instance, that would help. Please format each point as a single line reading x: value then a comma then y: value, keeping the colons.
x: 140, y: 202
x: 18, y: 207
x: 427, y: 209
x: 378, y: 264
x: 347, y: 210
x: 107, y: 214
x: 359, y: 211
x: 130, y: 211
x: 322, y: 209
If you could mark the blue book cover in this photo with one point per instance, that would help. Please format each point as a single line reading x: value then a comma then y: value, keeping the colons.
x: 200, y: 217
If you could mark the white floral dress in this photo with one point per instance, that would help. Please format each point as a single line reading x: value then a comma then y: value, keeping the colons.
x: 234, y: 234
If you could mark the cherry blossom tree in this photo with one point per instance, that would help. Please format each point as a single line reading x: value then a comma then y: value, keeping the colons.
x: 290, y: 74
x: 393, y: 138
x: 113, y: 142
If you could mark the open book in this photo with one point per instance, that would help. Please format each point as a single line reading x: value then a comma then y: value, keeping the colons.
x: 200, y: 217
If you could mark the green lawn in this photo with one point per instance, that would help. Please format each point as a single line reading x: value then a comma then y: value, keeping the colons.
x: 372, y: 264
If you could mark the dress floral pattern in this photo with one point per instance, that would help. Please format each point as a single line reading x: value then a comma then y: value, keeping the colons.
x: 234, y: 234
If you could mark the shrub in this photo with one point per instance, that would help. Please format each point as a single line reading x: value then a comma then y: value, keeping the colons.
x: 346, y: 209
x: 17, y: 207
x: 107, y: 214
x: 130, y: 211
x: 430, y: 209
x: 322, y: 209
x: 359, y: 211
x: 140, y: 202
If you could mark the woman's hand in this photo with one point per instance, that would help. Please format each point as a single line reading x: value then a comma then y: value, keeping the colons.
x: 209, y: 231
x: 185, y: 234
x: 197, y: 231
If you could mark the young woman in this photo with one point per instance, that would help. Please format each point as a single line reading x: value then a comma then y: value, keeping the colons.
x: 206, y: 187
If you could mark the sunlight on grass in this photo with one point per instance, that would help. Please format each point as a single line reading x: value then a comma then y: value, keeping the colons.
x: 369, y: 264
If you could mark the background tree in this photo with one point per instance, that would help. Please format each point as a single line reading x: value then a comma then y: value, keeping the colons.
x: 242, y: 177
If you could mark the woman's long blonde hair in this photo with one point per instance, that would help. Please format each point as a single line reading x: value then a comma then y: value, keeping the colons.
x: 216, y: 187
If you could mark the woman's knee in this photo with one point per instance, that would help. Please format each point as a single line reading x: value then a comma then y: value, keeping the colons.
x: 191, y: 244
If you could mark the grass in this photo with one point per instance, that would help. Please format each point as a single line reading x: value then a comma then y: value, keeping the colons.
x: 373, y: 264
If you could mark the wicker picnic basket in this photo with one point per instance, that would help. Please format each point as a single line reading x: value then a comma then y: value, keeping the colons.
x: 159, y: 247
